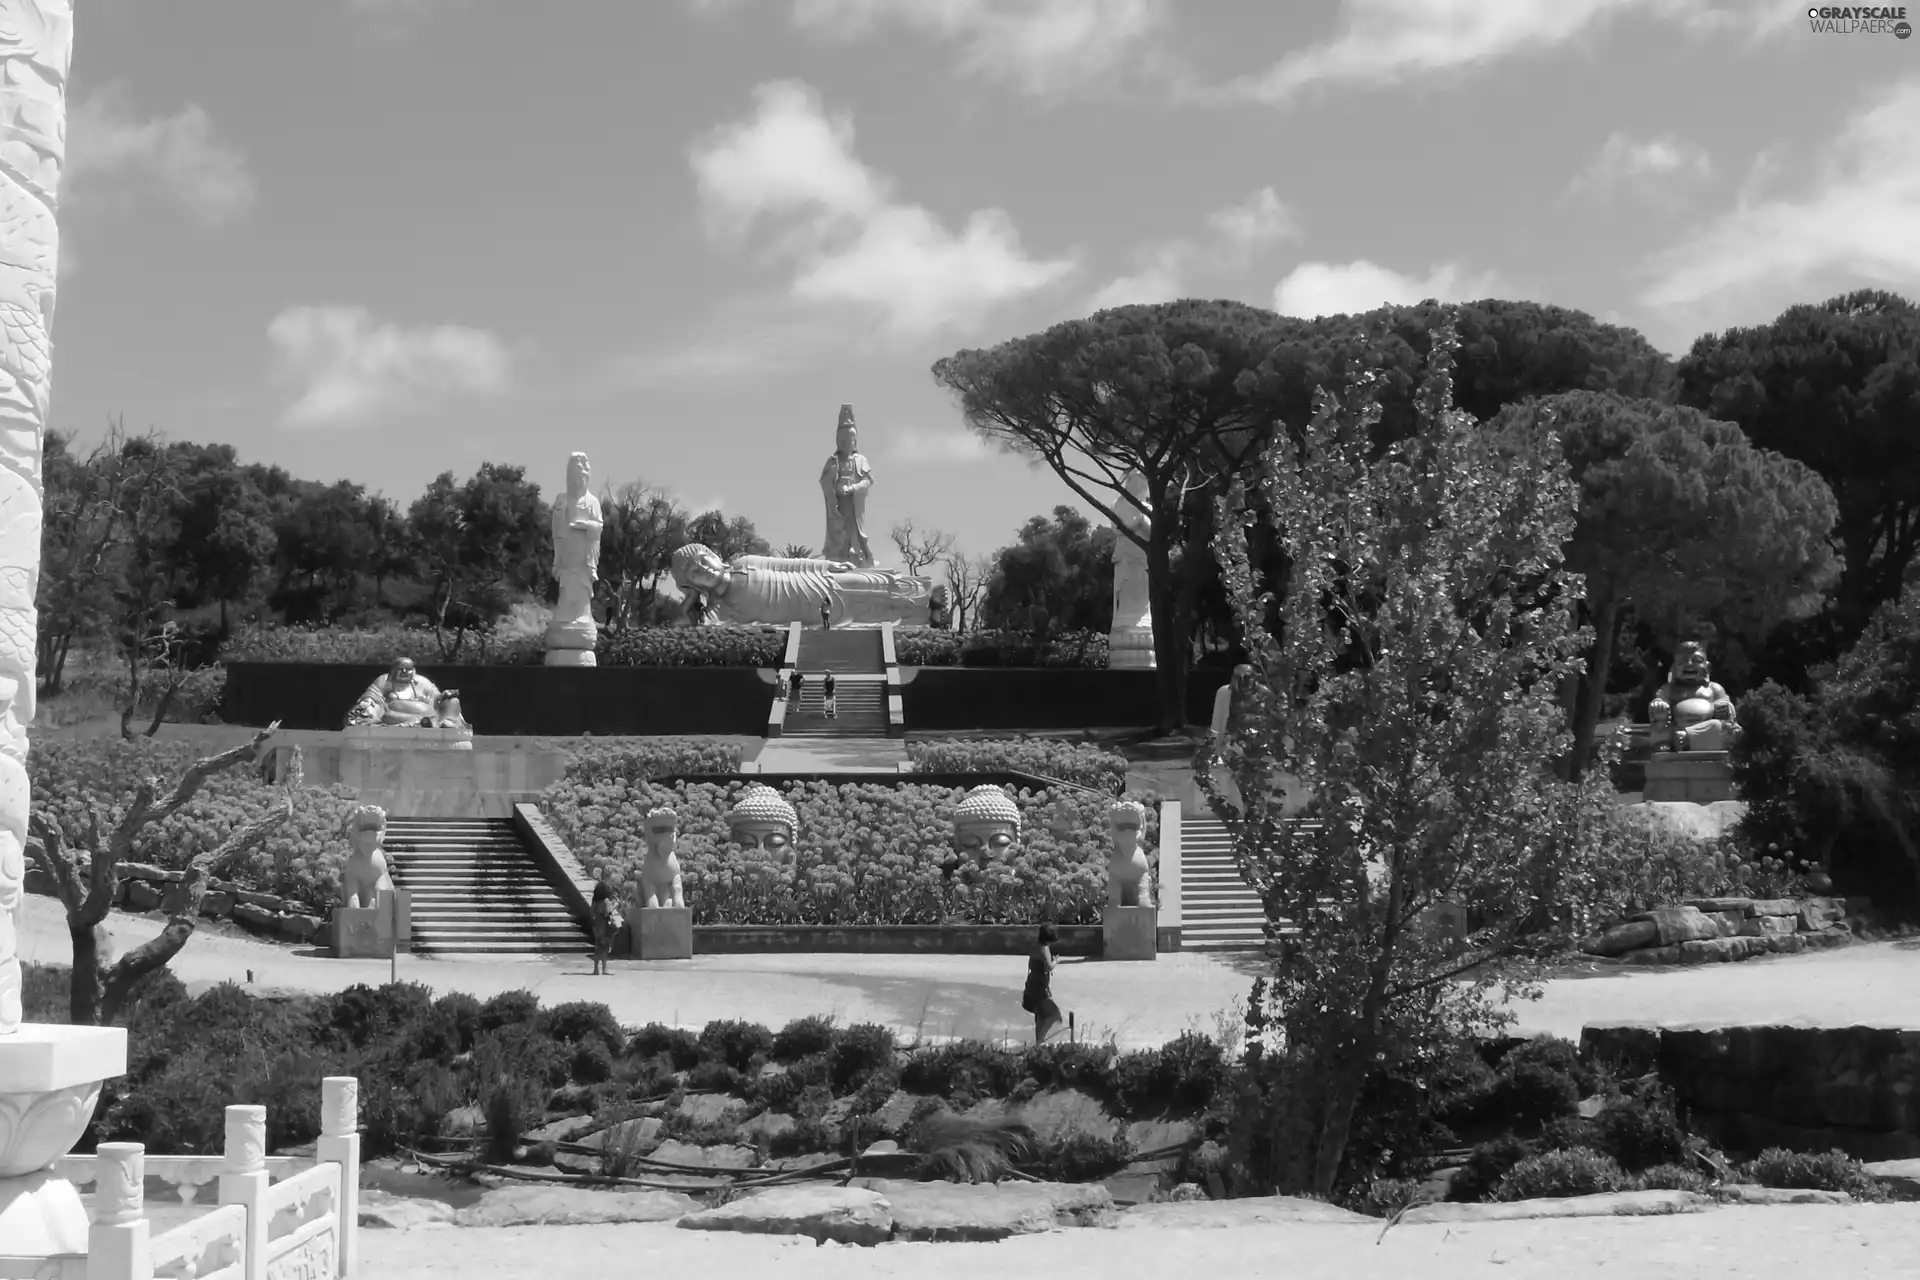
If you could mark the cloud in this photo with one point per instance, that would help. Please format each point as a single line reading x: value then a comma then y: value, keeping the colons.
x: 1382, y: 43
x: 1656, y: 164
x: 1044, y: 47
x: 1857, y: 219
x: 920, y: 446
x: 788, y: 172
x: 1332, y: 289
x: 1235, y: 235
x: 116, y: 157
x: 355, y: 370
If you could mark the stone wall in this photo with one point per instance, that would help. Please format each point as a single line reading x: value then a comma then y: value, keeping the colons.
x: 955, y: 698
x: 1806, y: 1088
x: 1707, y: 930
x: 144, y: 888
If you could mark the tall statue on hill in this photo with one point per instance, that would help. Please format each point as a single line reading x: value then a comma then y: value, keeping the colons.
x: 844, y: 482
x: 1130, y: 642
x: 576, y: 565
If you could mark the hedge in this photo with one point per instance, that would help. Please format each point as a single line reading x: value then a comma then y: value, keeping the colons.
x: 593, y: 761
x: 869, y: 853
x: 1077, y: 762
x: 299, y: 860
x: 926, y: 647
x: 643, y: 647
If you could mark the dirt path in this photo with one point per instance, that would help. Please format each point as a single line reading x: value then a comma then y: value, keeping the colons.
x: 1864, y: 1242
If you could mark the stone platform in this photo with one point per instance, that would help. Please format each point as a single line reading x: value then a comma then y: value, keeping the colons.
x: 429, y: 773
x: 1693, y: 777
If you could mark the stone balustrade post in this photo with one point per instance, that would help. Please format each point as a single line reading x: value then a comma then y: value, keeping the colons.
x: 244, y: 1181
x: 340, y: 1143
x: 119, y: 1246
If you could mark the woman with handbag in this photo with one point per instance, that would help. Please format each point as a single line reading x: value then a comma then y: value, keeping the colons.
x: 1037, y: 999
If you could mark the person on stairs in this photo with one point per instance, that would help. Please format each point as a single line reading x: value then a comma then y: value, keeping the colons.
x: 826, y: 694
x: 794, y: 683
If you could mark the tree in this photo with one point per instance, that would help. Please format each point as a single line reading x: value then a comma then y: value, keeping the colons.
x: 148, y: 585
x: 223, y: 528
x: 482, y: 543
x: 728, y: 538
x: 797, y: 551
x: 88, y: 891
x: 1682, y: 521
x: 323, y: 539
x: 920, y: 548
x: 1836, y: 386
x: 966, y: 579
x: 1061, y: 563
x: 1415, y: 701
x: 81, y: 534
x: 643, y: 527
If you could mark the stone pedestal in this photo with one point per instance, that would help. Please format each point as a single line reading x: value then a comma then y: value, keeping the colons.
x: 1129, y: 933
x: 571, y: 658
x: 376, y: 932
x: 1130, y: 649
x: 50, y: 1078
x: 1695, y: 777
x: 379, y: 737
x: 664, y: 933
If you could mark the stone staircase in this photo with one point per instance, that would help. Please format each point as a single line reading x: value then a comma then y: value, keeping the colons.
x: 476, y: 890
x: 856, y: 659
x: 851, y: 651
x: 1219, y: 911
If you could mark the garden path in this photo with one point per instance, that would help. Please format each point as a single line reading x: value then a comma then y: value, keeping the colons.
x: 1135, y: 1004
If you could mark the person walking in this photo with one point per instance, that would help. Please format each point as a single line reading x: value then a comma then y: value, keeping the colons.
x: 794, y: 682
x: 603, y: 927
x: 826, y: 613
x: 826, y: 693
x: 1037, y: 999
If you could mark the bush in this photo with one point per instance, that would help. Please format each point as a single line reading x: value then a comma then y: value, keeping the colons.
x: 1575, y: 1172
x: 859, y: 1051
x: 1060, y: 1066
x: 735, y: 1043
x: 716, y: 1076
x: 1077, y: 762
x: 579, y: 1021
x: 1642, y: 1132
x: 638, y: 647
x: 299, y: 860
x: 681, y: 1047
x: 1671, y: 1177
x: 592, y: 1062
x: 968, y: 1148
x: 803, y: 1037
x: 867, y: 853
x: 962, y: 1072
x: 926, y: 647
x: 1077, y: 1156
x: 1812, y: 1171
x: 1486, y: 1165
x: 594, y: 762
x: 1184, y: 1074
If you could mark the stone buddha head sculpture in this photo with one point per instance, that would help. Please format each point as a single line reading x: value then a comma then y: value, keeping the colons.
x: 986, y: 824
x: 579, y: 474
x: 1690, y: 665
x: 699, y: 567
x: 846, y: 436
x: 662, y: 829
x: 402, y: 671
x: 763, y: 820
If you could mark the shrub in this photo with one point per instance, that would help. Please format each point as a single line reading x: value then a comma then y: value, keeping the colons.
x: 926, y: 647
x: 1529, y: 1091
x: 1384, y: 1197
x: 681, y: 1047
x: 511, y: 1108
x: 509, y: 1009
x: 735, y: 1043
x: 1574, y: 1172
x: 1641, y: 1132
x: 1559, y: 1056
x: 1812, y: 1171
x: 1671, y: 1177
x: 717, y: 1076
x: 867, y: 853
x: 962, y: 1072
x: 592, y: 1062
x: 1078, y: 1156
x: 637, y: 647
x: 803, y: 1037
x: 859, y: 1051
x: 592, y: 762
x: 1077, y: 762
x: 1486, y: 1165
x: 581, y: 1020
x: 1057, y: 1066
x: 1184, y: 1074
x: 463, y: 1013
x: 968, y: 1148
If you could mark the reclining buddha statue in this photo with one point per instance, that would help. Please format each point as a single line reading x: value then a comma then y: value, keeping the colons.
x: 781, y: 589
x: 1691, y: 712
x: 403, y: 698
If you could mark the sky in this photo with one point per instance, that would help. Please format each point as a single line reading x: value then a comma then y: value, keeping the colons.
x: 381, y: 239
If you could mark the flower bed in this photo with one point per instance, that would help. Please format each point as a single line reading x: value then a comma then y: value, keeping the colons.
x: 594, y: 760
x: 299, y: 860
x: 927, y: 647
x: 643, y: 647
x: 1075, y: 762
x: 868, y: 853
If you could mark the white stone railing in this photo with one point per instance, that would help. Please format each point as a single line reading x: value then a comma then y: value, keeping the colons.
x: 278, y: 1218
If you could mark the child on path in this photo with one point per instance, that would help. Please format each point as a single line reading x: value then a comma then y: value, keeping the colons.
x: 1037, y: 999
x: 826, y: 692
x: 603, y: 927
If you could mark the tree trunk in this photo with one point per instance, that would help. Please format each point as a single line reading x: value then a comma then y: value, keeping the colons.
x: 1593, y: 687
x: 83, y: 996
x: 1169, y: 634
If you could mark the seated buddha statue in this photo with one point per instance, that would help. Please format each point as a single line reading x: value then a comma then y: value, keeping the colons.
x: 781, y: 589
x: 1691, y: 712
x: 403, y: 698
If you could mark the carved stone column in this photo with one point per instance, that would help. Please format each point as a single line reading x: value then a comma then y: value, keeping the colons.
x: 50, y: 1076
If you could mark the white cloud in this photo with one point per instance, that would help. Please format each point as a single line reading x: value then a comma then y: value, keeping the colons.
x: 1656, y: 164
x: 920, y: 446
x: 1348, y: 288
x: 1389, y: 42
x: 1856, y: 223
x: 1042, y: 46
x: 353, y: 369
x: 789, y: 170
x: 1236, y: 235
x: 115, y: 156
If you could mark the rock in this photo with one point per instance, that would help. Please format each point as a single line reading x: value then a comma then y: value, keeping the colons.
x: 538, y: 1206
x: 1901, y: 1178
x: 1654, y: 955
x: 252, y: 917
x: 846, y: 1215
x: 1681, y: 924
x: 1185, y: 1193
x: 215, y: 905
x: 266, y: 901
x: 710, y: 1108
x: 947, y: 1211
x: 1713, y: 906
x: 1727, y: 922
x: 382, y: 1211
x: 1253, y: 1211
x: 1773, y: 907
x: 562, y: 1130
x: 766, y: 1126
x: 1769, y: 926
x: 1741, y: 1194
x: 1791, y: 944
x: 640, y: 1136
x: 1826, y: 938
x: 720, y: 1156
x: 1613, y: 1204
x: 298, y: 928
x: 811, y: 1160
x: 894, y: 1115
x: 1818, y: 913
x: 1151, y: 1137
x: 1135, y: 1184
x: 1720, y: 950
x: 141, y: 896
x: 463, y: 1122
x: 1622, y: 938
x: 1634, y: 1050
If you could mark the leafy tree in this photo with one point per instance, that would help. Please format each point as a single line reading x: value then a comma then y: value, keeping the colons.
x: 644, y: 526
x: 223, y: 529
x: 89, y: 888
x: 1682, y: 521
x: 920, y: 548
x: 483, y: 543
x: 148, y: 585
x: 729, y: 538
x: 1061, y: 563
x: 1836, y: 386
x: 82, y: 532
x: 1414, y: 698
x: 323, y: 539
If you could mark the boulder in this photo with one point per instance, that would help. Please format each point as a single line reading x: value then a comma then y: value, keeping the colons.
x: 1681, y: 924
x: 382, y: 1211
x: 1769, y: 926
x: 1252, y: 1211
x: 1635, y: 1050
x: 894, y: 1115
x: 252, y: 917
x: 1742, y: 1194
x: 563, y: 1130
x: 766, y: 1126
x: 548, y: 1206
x: 846, y: 1215
x: 1901, y: 1178
x: 1610, y: 1205
x: 1788, y: 944
x: 1654, y: 955
x: 1773, y: 907
x: 1622, y: 938
x: 1152, y: 1137
x: 710, y: 1108
x: 295, y: 927
x: 1712, y: 906
x: 1720, y: 950
x: 946, y: 1211
x: 719, y: 1156
x: 215, y: 905
x: 463, y: 1122
x: 141, y: 895
x: 1818, y: 913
